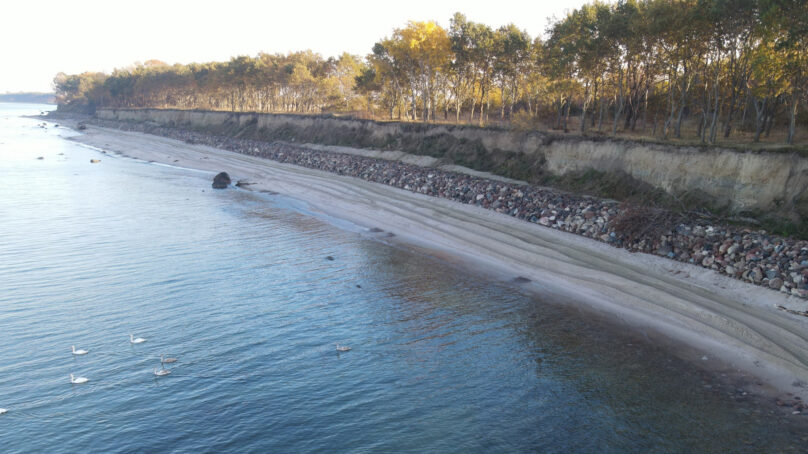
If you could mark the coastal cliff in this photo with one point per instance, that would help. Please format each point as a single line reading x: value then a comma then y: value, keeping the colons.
x: 738, y: 182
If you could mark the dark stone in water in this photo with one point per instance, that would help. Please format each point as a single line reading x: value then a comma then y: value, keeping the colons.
x: 376, y: 230
x: 81, y: 127
x: 221, y: 181
x: 521, y: 280
x: 41, y: 158
x: 358, y: 286
x: 328, y: 257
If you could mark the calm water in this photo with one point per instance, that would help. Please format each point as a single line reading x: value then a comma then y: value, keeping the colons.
x: 237, y: 286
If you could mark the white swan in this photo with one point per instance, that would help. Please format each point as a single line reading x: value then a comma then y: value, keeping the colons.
x: 78, y: 352
x: 3, y: 410
x: 167, y: 360
x: 78, y: 380
x: 133, y: 340
x: 161, y: 372
x: 343, y: 348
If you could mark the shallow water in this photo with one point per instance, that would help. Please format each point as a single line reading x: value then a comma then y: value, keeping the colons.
x: 237, y: 285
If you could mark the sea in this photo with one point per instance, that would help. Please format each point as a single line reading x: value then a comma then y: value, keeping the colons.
x: 252, y: 292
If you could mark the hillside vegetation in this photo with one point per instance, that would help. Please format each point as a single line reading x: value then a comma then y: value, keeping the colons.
x: 704, y: 71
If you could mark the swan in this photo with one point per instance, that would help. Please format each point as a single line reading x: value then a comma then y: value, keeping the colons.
x: 167, y: 360
x: 3, y: 410
x: 78, y: 380
x: 161, y: 372
x: 133, y: 340
x: 78, y: 352
x: 343, y: 348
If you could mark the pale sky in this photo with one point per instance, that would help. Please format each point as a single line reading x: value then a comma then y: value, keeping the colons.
x: 41, y: 38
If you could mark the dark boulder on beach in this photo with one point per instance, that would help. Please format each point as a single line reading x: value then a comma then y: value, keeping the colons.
x: 221, y: 181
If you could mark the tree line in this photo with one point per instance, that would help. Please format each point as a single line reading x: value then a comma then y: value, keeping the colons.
x: 703, y: 69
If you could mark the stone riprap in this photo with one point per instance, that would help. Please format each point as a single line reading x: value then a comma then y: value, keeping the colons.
x: 743, y: 253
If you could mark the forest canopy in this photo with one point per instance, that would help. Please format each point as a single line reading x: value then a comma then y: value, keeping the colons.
x: 706, y: 70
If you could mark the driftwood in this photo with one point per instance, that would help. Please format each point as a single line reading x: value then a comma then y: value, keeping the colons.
x: 791, y: 311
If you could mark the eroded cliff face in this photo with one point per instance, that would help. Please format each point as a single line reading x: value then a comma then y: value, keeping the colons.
x: 741, y: 181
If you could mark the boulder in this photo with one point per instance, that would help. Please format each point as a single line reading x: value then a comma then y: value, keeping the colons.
x: 221, y: 180
x: 775, y: 283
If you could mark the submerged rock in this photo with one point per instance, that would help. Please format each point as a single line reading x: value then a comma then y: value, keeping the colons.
x: 221, y: 180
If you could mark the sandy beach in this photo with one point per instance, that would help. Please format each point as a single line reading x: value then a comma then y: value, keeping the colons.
x: 724, y: 323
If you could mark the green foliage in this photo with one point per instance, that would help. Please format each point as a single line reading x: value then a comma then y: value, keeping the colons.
x: 647, y: 65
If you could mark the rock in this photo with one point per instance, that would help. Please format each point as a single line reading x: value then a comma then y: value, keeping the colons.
x: 664, y: 249
x: 221, y: 181
x: 81, y: 127
x: 328, y: 257
x: 41, y: 158
x: 775, y: 283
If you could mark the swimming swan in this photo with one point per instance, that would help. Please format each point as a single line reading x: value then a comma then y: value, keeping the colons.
x: 78, y: 352
x: 139, y: 340
x: 3, y: 410
x: 161, y: 372
x: 343, y: 348
x: 167, y: 360
x: 78, y: 380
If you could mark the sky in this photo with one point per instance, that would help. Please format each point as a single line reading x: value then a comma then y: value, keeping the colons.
x: 41, y: 38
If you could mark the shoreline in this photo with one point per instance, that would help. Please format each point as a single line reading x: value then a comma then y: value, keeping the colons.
x: 746, y: 254
x: 711, y: 313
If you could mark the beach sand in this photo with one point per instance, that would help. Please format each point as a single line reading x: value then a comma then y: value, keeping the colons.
x: 722, y: 323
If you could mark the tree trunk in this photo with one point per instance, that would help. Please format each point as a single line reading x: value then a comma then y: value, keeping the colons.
x: 567, y: 114
x: 760, y: 109
x: 792, y: 116
x: 584, y: 106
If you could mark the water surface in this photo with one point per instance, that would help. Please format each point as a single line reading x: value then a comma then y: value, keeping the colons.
x: 238, y: 286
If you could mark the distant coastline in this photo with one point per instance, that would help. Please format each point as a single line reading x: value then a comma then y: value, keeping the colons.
x: 29, y: 97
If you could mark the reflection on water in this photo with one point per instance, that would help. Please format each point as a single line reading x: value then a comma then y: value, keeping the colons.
x: 237, y: 285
